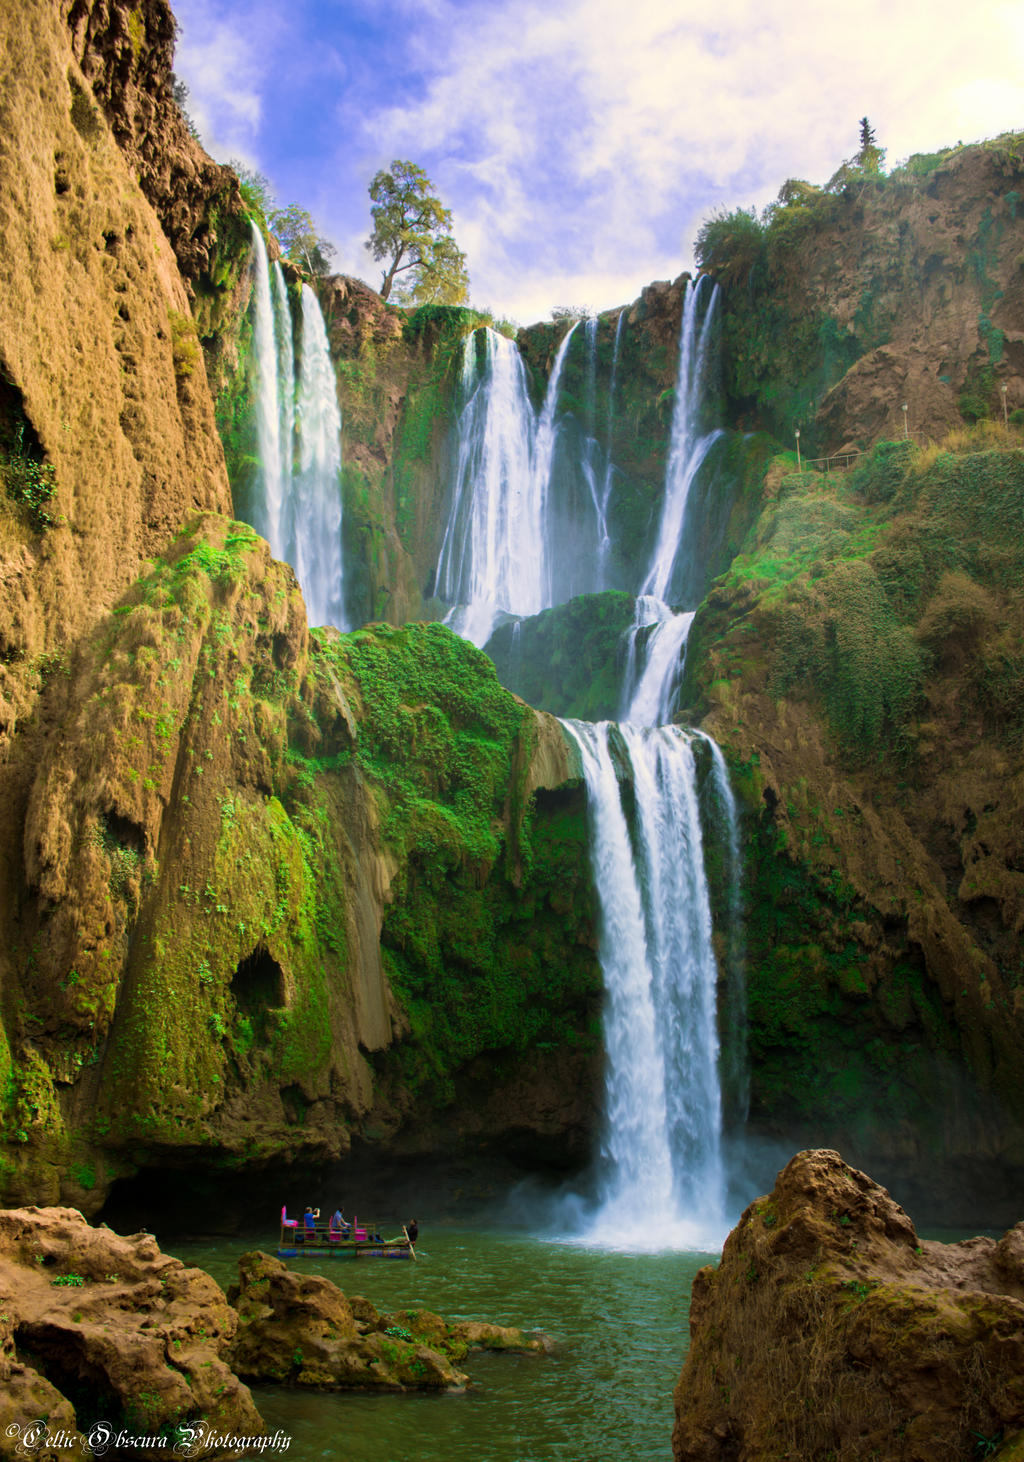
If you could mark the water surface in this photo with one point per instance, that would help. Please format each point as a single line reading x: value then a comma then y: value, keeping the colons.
x: 618, y: 1320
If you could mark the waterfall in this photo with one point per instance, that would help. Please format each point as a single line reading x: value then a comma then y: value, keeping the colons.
x: 654, y: 659
x: 275, y: 453
x: 297, y: 506
x: 661, y: 1176
x: 603, y: 541
x: 493, y: 555
x: 735, y: 1072
x: 546, y: 427
x: 687, y: 446
x: 526, y: 524
x: 596, y: 474
x: 653, y: 667
x: 317, y: 499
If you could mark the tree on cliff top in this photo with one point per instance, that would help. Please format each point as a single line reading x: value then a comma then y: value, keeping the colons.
x: 293, y: 227
x: 298, y: 236
x: 871, y: 156
x: 412, y: 230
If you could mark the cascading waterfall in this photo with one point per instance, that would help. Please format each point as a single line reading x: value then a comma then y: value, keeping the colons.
x: 274, y: 452
x: 527, y: 523
x: 493, y: 555
x: 735, y: 1071
x: 594, y: 470
x: 297, y: 506
x: 653, y: 667
x: 604, y: 542
x: 316, y: 529
x: 654, y: 659
x: 687, y: 446
x: 661, y: 1178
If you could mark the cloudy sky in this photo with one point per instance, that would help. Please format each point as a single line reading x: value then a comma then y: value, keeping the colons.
x: 579, y: 143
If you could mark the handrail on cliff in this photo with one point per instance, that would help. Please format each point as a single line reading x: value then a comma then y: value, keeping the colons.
x: 842, y: 461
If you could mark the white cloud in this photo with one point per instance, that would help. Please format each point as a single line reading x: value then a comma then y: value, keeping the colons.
x: 225, y: 52
x: 598, y: 131
x: 580, y: 146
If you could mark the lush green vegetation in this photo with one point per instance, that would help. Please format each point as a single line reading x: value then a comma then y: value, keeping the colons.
x: 292, y: 226
x: 569, y: 660
x: 824, y: 1035
x: 486, y: 941
x: 28, y: 480
x: 869, y: 579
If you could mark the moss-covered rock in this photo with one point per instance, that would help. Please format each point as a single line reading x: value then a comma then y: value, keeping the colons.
x: 856, y: 663
x: 569, y: 660
x: 880, y: 292
x: 831, y: 1329
x: 255, y: 857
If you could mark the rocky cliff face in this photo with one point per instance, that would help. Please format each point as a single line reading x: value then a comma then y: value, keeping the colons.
x: 244, y: 860
x: 881, y: 292
x: 271, y: 891
x: 264, y: 871
x: 830, y: 1329
x: 861, y: 665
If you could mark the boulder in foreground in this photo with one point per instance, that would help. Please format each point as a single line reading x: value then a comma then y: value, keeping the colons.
x: 830, y: 1330
x: 136, y: 1337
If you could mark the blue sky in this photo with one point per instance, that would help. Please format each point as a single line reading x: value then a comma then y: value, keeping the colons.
x: 579, y: 143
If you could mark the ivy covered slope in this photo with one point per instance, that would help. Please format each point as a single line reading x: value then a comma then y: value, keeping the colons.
x: 862, y: 663
x: 876, y: 291
x: 278, y: 884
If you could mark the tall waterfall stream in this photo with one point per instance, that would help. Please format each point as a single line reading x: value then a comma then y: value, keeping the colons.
x: 660, y: 1173
x: 505, y: 552
x: 298, y: 505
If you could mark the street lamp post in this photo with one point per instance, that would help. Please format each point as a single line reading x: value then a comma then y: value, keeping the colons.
x: 798, y: 467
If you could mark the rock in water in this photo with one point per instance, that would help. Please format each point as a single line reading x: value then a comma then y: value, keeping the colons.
x: 135, y: 1336
x: 301, y: 1330
x: 830, y: 1329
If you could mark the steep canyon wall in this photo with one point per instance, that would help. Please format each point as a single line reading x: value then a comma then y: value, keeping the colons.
x: 269, y: 892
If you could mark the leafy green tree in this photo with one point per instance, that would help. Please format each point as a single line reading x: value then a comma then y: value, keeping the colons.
x: 730, y: 244
x: 293, y: 227
x: 256, y: 192
x: 297, y: 234
x: 412, y: 230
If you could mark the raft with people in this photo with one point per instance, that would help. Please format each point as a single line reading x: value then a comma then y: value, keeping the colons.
x: 308, y: 1237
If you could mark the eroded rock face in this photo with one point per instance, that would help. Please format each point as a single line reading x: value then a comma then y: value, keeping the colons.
x: 85, y: 1311
x: 893, y: 292
x: 858, y: 667
x: 126, y: 51
x: 830, y: 1328
x: 224, y: 820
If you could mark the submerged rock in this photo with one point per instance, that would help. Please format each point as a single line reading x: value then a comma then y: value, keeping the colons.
x: 830, y: 1329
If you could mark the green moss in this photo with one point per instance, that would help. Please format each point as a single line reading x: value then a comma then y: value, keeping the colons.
x: 27, y: 479
x: 826, y: 1045
x: 568, y: 660
x: 486, y: 941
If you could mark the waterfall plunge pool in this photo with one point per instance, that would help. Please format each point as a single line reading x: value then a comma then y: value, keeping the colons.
x: 618, y: 1320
